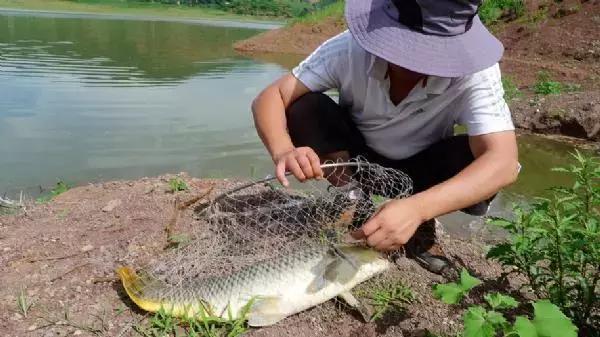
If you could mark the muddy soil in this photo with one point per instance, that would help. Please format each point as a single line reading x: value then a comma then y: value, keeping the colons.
x: 560, y: 38
x: 62, y: 255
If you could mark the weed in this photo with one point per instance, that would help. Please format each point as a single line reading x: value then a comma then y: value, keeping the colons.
x: 554, y: 243
x: 452, y: 293
x: 23, y: 303
x: 177, y: 184
x: 572, y: 87
x: 333, y: 10
x: 384, y: 296
x: 390, y: 296
x: 178, y: 240
x: 546, y: 86
x: 60, y: 188
x: 204, y: 323
x: 492, y: 10
x: 489, y: 321
x: 511, y: 91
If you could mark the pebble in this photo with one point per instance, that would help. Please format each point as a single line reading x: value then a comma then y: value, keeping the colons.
x: 87, y: 248
x: 6, y: 249
x: 32, y: 327
x: 111, y: 205
x: 77, y: 332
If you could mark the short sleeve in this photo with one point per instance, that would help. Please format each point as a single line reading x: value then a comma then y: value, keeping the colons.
x: 481, y: 106
x: 322, y: 69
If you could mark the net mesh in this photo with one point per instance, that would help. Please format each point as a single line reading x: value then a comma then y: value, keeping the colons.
x: 257, y: 221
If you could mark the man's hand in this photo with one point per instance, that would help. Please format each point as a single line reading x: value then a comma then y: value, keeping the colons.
x: 392, y: 226
x: 303, y: 162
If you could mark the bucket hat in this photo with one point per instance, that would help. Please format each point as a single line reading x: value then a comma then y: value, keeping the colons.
x: 435, y: 37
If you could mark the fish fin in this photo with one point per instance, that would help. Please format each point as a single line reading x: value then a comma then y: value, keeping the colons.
x: 135, y: 286
x: 317, y: 284
x: 352, y: 301
x: 342, y: 269
x: 265, y: 311
x: 338, y: 270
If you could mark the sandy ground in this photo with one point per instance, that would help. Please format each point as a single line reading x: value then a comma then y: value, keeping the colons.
x: 63, y: 254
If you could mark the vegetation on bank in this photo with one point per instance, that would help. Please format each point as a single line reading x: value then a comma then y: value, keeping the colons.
x: 284, y: 9
x: 555, y: 244
x: 144, y: 9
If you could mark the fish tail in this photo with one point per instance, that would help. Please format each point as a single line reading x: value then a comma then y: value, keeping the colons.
x: 136, y: 287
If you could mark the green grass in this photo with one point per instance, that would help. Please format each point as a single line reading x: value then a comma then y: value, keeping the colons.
x: 206, y: 324
x: 511, y: 91
x: 60, y: 188
x: 177, y: 185
x: 492, y: 10
x: 23, y: 303
x: 155, y: 9
x: 385, y: 296
x: 334, y: 10
x: 545, y: 85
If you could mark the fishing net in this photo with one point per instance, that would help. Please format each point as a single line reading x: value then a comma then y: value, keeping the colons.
x: 255, y: 221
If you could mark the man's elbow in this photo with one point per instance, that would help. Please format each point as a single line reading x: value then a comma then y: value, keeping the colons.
x: 510, y: 172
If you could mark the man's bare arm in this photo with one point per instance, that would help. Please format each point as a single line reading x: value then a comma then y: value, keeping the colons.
x: 269, y: 118
x: 495, y: 166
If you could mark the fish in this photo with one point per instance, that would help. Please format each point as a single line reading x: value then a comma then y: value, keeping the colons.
x: 266, y: 292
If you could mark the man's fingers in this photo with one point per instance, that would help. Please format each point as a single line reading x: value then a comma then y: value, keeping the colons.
x: 358, y: 234
x: 305, y: 166
x: 280, y: 173
x: 315, y: 162
x: 371, y: 225
x: 377, y: 239
x: 294, y: 167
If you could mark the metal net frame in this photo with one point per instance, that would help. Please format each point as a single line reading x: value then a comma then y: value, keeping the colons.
x: 256, y: 221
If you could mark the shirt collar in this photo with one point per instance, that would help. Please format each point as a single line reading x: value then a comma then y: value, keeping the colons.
x: 435, y: 85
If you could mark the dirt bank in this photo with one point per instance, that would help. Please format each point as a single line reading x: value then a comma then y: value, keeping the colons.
x: 560, y: 38
x: 63, y: 254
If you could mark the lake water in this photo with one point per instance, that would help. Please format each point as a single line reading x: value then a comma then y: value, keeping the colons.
x: 89, y: 99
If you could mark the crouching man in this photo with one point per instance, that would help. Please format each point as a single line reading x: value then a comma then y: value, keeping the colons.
x: 407, y: 71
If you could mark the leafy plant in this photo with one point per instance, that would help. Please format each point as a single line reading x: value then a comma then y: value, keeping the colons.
x: 548, y: 321
x: 492, y: 10
x: 479, y: 321
x: 555, y: 243
x: 177, y: 184
x: 452, y: 293
x: 499, y: 301
x: 546, y: 86
x: 60, y: 188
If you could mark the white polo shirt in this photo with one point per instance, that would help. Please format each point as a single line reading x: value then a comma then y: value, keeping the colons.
x: 427, y: 115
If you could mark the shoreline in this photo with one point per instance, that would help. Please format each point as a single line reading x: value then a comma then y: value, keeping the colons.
x: 204, y: 16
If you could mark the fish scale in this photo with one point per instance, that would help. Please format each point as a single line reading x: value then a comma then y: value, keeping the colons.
x: 279, y: 287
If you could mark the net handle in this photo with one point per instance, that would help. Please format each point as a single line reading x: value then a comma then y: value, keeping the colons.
x: 270, y: 177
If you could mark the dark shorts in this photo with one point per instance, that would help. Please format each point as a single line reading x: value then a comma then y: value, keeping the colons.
x: 316, y: 121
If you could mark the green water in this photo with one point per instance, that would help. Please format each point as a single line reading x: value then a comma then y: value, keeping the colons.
x: 89, y: 99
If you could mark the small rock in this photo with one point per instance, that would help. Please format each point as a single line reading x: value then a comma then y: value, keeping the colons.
x: 112, y: 205
x: 87, y: 248
x: 77, y: 332
x: 32, y: 327
x: 6, y: 249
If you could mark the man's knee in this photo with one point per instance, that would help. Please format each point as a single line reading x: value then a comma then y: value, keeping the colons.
x: 308, y: 107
